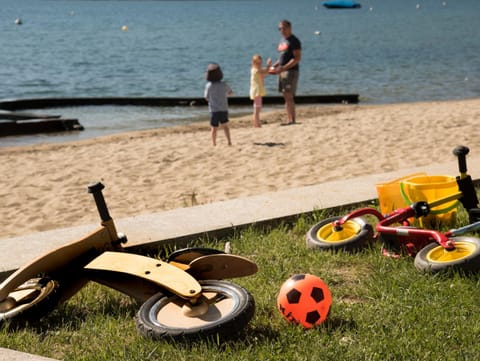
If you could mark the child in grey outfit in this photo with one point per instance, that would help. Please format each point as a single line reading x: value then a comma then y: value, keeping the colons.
x: 216, y: 93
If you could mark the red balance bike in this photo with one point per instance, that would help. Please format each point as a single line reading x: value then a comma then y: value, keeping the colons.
x: 433, y: 250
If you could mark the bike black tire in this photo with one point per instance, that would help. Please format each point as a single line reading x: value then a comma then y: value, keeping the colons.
x: 467, y: 259
x: 42, y: 303
x: 226, y: 326
x: 355, y: 242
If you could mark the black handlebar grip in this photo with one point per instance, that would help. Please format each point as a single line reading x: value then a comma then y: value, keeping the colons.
x: 461, y: 151
x: 96, y: 190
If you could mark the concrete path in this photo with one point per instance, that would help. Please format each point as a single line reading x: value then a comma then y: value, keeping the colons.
x: 180, y: 225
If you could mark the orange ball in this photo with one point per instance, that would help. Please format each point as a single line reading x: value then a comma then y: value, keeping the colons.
x: 304, y: 299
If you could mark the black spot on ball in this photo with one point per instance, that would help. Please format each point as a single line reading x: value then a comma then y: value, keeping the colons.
x: 293, y: 296
x: 317, y: 294
x: 312, y: 317
x: 298, y: 277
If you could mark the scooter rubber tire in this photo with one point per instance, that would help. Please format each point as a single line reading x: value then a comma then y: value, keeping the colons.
x: 230, y: 308
x: 465, y: 257
x: 40, y: 302
x: 355, y: 235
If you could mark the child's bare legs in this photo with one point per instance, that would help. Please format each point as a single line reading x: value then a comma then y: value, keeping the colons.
x: 214, y: 135
x: 226, y: 129
x: 256, y: 117
x: 257, y: 107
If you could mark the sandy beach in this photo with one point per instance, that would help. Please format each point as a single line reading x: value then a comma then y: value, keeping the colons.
x: 44, y: 186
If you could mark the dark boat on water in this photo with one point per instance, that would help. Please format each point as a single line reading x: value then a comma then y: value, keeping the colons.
x: 341, y: 4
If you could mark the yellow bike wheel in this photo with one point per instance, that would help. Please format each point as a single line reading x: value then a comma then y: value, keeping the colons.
x: 353, y: 235
x: 464, y: 257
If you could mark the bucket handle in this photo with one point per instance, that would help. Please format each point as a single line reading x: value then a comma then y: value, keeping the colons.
x: 438, y: 211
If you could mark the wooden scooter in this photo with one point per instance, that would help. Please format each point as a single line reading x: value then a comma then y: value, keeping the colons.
x: 183, y: 297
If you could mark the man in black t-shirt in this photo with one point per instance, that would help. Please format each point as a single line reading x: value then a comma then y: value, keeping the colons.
x: 287, y: 67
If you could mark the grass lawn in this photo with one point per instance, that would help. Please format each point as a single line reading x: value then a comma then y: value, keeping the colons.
x: 383, y: 309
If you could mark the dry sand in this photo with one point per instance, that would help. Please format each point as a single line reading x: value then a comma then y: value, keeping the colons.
x: 44, y: 186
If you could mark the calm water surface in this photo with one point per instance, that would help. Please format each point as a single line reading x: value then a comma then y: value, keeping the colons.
x: 388, y: 51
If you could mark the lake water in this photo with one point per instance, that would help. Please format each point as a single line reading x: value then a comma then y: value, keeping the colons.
x: 388, y: 51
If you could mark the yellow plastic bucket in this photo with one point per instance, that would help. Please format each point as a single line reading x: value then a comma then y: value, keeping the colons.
x: 430, y: 188
x: 390, y: 196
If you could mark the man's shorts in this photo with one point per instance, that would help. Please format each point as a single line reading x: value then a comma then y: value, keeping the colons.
x: 287, y: 81
x: 217, y: 118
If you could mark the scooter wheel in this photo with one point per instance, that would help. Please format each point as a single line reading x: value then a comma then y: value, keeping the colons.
x: 354, y: 235
x: 223, y: 310
x: 464, y: 257
x: 32, y: 300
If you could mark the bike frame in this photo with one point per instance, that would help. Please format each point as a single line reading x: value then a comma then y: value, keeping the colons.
x: 100, y: 256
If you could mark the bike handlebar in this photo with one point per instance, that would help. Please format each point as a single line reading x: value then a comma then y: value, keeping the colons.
x: 465, y: 184
x: 461, y: 152
x: 96, y: 190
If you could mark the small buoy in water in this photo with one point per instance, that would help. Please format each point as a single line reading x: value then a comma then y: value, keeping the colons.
x: 317, y: 32
x: 444, y: 3
x: 371, y: 8
x: 72, y: 13
x: 124, y: 28
x: 18, y: 21
x: 418, y: 6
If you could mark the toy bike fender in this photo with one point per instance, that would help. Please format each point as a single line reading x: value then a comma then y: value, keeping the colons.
x: 221, y: 266
x: 120, y: 266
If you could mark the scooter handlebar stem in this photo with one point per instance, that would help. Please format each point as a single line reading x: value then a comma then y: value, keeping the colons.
x: 96, y: 190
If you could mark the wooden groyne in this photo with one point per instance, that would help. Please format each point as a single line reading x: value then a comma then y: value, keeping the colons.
x: 14, y: 122
x: 21, y: 104
x: 19, y: 123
